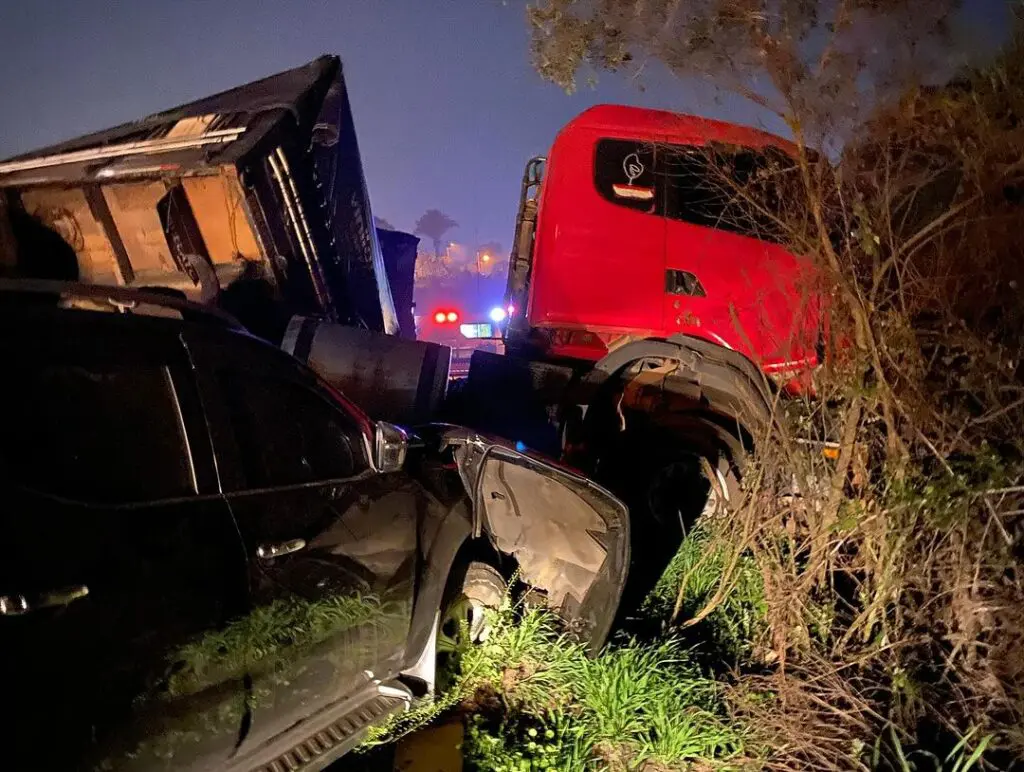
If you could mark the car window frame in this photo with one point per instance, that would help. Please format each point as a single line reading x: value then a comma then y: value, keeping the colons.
x: 90, y: 335
x: 753, y: 226
x: 249, y: 356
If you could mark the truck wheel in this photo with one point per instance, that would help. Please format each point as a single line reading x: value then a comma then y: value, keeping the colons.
x: 473, y: 596
x: 662, y: 477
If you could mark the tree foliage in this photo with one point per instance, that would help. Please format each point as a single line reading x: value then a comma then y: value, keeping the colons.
x: 432, y: 268
x: 496, y: 263
x: 494, y: 249
x: 801, y: 59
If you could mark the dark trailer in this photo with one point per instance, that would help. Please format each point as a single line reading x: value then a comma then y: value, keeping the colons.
x: 255, y: 196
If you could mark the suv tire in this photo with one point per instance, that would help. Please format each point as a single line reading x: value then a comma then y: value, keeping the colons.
x: 475, y: 592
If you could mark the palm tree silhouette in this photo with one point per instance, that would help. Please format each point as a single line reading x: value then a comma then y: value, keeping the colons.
x: 434, y: 224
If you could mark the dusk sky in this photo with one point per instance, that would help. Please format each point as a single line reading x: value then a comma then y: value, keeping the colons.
x: 447, y: 107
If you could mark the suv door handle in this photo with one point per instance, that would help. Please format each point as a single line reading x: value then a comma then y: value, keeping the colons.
x: 271, y: 551
x: 16, y: 605
x: 332, y: 492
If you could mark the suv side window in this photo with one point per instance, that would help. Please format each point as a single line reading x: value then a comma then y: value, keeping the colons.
x: 94, y: 432
x: 287, y: 434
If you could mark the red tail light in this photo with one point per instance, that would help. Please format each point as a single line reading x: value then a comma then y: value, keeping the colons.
x: 446, y: 316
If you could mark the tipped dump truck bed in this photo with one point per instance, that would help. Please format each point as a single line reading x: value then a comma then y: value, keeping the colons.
x: 260, y: 186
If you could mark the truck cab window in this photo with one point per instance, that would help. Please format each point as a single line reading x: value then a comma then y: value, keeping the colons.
x: 287, y: 434
x: 735, y: 190
x: 95, y: 433
x: 624, y: 173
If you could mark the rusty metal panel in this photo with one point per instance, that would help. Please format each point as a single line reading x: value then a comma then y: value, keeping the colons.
x: 67, y: 212
x: 219, y: 206
x: 133, y: 210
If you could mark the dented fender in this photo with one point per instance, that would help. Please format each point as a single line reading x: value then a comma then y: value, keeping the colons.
x: 723, y: 380
x: 569, y: 536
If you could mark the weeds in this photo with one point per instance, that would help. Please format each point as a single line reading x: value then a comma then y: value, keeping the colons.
x: 734, y: 627
x: 961, y: 759
x: 542, y: 701
x: 536, y: 700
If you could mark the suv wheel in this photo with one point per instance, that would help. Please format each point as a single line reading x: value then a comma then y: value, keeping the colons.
x: 473, y: 595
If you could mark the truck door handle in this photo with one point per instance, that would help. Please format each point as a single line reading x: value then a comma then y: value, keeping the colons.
x: 276, y: 550
x: 16, y: 605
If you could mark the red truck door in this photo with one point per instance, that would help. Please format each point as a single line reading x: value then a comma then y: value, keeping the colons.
x: 726, y: 280
x: 599, y: 254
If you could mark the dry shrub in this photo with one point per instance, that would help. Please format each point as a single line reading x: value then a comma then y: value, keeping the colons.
x: 893, y: 575
x: 809, y: 717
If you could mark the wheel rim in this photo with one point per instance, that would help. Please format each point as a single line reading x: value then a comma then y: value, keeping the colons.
x: 464, y: 623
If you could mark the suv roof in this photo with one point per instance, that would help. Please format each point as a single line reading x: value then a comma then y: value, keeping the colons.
x: 115, y: 299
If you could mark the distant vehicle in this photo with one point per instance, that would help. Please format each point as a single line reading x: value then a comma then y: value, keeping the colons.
x: 445, y: 325
x: 214, y: 560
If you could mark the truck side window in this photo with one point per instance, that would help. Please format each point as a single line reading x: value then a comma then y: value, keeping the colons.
x: 624, y: 173
x: 102, y: 433
x: 288, y: 434
x: 735, y: 190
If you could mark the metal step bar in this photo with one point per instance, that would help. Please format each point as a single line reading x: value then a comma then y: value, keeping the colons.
x: 325, y: 740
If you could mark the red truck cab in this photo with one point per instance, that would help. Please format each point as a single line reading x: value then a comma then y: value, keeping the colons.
x: 638, y: 235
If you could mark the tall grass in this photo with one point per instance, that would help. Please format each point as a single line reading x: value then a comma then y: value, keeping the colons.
x: 535, y: 699
x: 732, y: 628
x: 541, y: 702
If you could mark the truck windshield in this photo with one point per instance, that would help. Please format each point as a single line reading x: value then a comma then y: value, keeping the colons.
x: 729, y: 188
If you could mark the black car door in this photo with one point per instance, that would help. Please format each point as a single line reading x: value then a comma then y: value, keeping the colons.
x: 331, y: 544
x: 121, y: 564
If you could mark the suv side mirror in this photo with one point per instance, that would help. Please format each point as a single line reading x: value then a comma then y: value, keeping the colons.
x: 390, y: 446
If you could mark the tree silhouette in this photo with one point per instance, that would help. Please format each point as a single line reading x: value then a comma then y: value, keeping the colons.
x: 384, y: 225
x: 434, y: 224
x: 818, y: 65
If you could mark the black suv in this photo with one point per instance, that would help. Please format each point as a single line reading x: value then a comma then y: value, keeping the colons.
x: 211, y: 559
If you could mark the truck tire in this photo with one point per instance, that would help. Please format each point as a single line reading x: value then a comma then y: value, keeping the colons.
x: 661, y: 473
